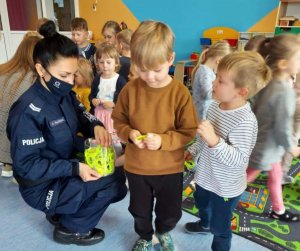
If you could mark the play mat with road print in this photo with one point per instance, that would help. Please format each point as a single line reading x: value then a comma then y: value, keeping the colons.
x: 251, y: 217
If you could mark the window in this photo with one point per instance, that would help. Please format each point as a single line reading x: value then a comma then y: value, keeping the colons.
x: 22, y: 14
x: 64, y: 12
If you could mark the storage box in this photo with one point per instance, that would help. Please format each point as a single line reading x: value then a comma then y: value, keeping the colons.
x: 205, y: 41
x: 232, y: 42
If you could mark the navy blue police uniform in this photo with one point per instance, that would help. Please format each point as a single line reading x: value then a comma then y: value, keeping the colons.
x: 43, y: 128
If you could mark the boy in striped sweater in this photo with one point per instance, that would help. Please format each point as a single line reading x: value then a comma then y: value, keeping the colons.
x: 224, y: 143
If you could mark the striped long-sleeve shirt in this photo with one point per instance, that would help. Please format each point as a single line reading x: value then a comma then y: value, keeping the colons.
x: 222, y: 169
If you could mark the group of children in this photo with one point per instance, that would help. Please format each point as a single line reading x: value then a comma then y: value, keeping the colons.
x: 103, y: 70
x: 156, y: 117
x: 234, y: 140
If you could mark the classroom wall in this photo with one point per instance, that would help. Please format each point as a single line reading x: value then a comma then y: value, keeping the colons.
x: 188, y: 19
x: 105, y: 10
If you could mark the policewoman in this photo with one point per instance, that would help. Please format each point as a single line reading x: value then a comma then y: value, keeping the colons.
x: 42, y: 127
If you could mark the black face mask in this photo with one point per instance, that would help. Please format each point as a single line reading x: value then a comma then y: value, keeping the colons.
x: 58, y: 87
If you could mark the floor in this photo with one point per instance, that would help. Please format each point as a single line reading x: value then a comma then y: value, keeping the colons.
x: 23, y: 228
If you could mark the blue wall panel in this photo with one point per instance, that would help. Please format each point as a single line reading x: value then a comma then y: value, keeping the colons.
x: 190, y: 18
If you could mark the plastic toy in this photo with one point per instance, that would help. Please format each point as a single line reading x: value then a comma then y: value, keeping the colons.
x: 141, y: 137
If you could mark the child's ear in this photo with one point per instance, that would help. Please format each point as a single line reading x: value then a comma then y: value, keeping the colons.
x: 172, y: 58
x: 244, y: 92
x: 282, y: 64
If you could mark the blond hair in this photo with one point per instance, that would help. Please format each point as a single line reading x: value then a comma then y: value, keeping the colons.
x: 113, y: 25
x: 151, y: 44
x: 21, y: 62
x: 109, y: 51
x: 218, y: 49
x: 85, y: 70
x: 281, y: 47
x: 124, y: 37
x: 249, y: 70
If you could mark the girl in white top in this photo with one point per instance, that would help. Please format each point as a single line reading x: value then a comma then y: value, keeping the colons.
x: 106, y: 87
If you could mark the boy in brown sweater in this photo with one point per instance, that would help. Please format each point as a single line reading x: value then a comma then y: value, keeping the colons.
x: 155, y: 115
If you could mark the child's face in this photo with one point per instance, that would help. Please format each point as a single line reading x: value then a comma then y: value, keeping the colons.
x: 224, y: 89
x: 107, y: 66
x: 293, y: 64
x: 109, y: 36
x: 79, y: 80
x: 157, y: 78
x: 80, y: 37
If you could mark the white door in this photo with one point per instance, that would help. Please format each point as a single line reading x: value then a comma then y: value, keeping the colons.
x: 21, y: 16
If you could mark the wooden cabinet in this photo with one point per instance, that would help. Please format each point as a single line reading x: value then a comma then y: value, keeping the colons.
x: 288, y: 17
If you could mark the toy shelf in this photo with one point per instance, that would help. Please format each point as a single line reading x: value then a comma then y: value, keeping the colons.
x: 288, y: 16
x: 245, y: 36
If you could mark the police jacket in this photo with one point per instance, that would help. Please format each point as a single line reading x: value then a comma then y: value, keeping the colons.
x: 42, y: 128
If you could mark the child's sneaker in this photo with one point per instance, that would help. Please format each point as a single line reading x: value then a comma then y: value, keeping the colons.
x: 287, y: 180
x: 7, y: 171
x: 142, y: 245
x: 286, y: 216
x: 165, y: 241
x: 196, y: 228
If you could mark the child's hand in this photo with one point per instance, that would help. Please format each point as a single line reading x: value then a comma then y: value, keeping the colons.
x: 133, y: 136
x: 187, y: 155
x: 96, y: 101
x: 108, y: 104
x: 153, y: 141
x: 295, y: 151
x: 207, y: 133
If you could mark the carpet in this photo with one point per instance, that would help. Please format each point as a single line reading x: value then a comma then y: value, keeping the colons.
x: 251, y: 217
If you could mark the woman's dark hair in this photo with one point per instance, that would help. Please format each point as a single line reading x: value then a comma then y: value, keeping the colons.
x: 53, y: 46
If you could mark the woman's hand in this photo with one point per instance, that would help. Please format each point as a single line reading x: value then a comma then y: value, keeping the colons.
x: 102, y: 136
x: 87, y: 174
x: 96, y: 101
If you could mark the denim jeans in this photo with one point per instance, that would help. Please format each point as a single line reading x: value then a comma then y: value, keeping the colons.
x: 215, y: 212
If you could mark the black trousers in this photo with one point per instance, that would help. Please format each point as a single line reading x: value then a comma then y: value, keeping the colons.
x: 167, y: 189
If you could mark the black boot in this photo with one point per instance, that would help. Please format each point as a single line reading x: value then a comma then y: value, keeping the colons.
x: 53, y: 219
x: 65, y: 236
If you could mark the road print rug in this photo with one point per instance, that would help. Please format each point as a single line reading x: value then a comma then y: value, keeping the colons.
x: 251, y: 217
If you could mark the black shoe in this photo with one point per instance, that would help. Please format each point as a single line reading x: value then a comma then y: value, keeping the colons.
x: 287, y: 216
x: 53, y: 219
x: 196, y: 228
x: 65, y: 236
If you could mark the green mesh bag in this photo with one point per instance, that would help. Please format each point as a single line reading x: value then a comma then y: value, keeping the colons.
x: 101, y: 159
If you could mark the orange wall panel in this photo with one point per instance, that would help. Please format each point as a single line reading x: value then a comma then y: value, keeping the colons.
x: 105, y: 10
